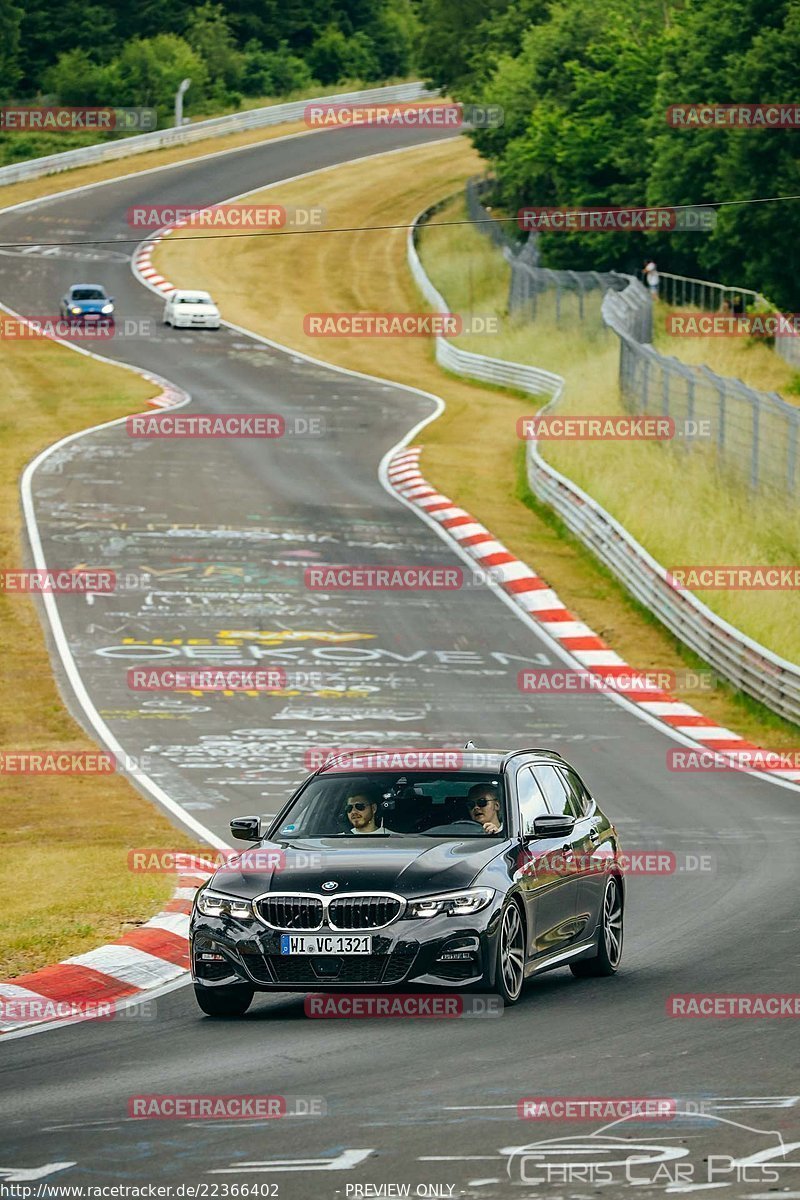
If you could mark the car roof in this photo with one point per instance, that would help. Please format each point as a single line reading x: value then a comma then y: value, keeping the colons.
x: 492, y: 761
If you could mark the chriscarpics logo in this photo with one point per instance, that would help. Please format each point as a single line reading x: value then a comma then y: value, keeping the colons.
x: 714, y: 1152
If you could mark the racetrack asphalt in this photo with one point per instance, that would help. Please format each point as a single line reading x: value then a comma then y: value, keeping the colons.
x: 222, y: 531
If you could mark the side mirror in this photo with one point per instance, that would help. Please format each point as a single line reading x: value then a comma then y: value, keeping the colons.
x: 553, y: 826
x: 247, y: 829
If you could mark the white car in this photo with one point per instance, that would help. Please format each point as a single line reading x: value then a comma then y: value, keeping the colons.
x: 191, y: 310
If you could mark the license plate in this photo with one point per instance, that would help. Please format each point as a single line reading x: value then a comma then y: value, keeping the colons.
x: 324, y: 943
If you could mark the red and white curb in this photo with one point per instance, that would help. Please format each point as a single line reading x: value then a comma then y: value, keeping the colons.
x: 143, y: 268
x: 169, y: 398
x: 94, y: 984
x: 143, y: 265
x: 533, y: 595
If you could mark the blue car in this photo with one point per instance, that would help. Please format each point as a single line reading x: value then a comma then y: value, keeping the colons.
x: 87, y: 302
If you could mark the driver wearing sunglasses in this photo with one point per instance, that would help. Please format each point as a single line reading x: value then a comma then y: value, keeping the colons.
x: 361, y: 808
x: 483, y: 806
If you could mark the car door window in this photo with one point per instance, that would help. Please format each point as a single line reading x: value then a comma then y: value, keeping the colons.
x: 531, y: 800
x: 555, y: 789
x: 581, y: 799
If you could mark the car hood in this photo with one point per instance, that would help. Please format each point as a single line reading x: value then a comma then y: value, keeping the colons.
x: 88, y: 306
x: 410, y: 866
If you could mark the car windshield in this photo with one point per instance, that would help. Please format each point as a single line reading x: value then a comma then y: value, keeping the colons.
x: 196, y: 298
x: 88, y: 293
x: 450, y: 804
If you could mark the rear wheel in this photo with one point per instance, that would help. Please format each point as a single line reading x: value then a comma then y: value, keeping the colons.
x: 510, y: 968
x: 609, y: 945
x: 231, y: 1001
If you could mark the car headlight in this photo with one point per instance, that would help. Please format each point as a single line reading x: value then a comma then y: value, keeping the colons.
x: 217, y: 904
x: 76, y: 312
x: 454, y: 904
x: 106, y: 309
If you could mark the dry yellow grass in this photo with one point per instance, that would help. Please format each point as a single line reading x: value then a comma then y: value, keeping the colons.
x: 655, y: 490
x: 471, y: 452
x: 742, y: 358
x: 64, y: 838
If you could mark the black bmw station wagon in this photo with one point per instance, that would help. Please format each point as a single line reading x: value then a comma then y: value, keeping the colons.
x: 469, y: 870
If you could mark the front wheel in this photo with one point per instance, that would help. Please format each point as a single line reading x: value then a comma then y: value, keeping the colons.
x: 231, y: 1001
x: 609, y: 943
x: 510, y: 967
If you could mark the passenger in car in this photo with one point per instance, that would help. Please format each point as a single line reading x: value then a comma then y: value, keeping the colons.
x: 483, y: 806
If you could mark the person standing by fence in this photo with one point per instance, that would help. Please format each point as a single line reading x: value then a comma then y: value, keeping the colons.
x: 651, y: 278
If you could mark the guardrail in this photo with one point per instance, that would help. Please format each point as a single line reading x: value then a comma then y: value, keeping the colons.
x: 750, y: 667
x: 756, y: 435
x: 682, y: 290
x: 254, y: 118
x: 463, y: 362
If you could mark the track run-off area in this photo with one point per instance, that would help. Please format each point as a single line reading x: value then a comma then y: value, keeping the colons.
x: 224, y: 529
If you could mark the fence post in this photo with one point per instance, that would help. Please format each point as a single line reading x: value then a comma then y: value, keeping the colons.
x: 791, y: 451
x: 665, y: 374
x: 645, y: 381
x: 754, y: 449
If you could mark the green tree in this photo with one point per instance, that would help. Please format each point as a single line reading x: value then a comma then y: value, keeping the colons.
x: 10, y: 66
x: 394, y: 33
x: 577, y: 101
x: 149, y: 70
x: 209, y: 35
x: 77, y: 79
x: 274, y: 72
x: 334, y: 56
x: 449, y: 39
